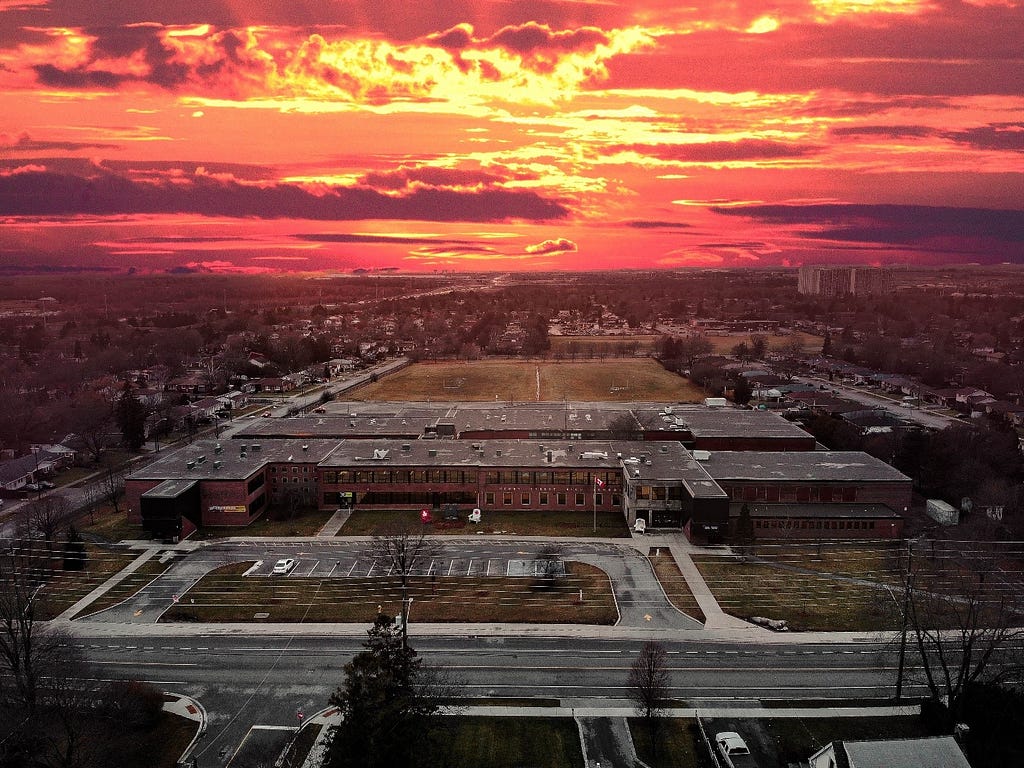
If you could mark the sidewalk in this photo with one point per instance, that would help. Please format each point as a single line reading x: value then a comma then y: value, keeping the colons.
x: 338, y: 519
x: 190, y: 709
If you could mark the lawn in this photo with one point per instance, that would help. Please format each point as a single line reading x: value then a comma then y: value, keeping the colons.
x: 305, y: 523
x: 811, y: 591
x: 511, y: 742
x: 524, y: 523
x: 525, y: 381
x: 112, y: 526
x: 65, y: 588
x: 225, y: 595
x: 676, y: 743
x: 127, y: 587
x: 723, y: 345
x: 672, y: 581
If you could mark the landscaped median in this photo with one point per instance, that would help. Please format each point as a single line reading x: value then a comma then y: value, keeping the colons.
x: 228, y: 595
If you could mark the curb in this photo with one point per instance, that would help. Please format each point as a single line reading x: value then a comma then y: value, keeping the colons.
x: 184, y: 759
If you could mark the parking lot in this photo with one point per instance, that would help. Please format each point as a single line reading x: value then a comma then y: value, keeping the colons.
x: 369, y: 567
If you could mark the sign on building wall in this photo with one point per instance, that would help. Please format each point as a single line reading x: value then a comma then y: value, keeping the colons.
x: 231, y: 509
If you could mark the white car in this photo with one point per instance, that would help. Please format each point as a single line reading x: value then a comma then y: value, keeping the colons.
x: 734, y: 750
x: 283, y: 566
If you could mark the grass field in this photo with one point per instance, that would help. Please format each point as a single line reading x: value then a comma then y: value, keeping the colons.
x: 127, y: 587
x: 510, y: 742
x: 676, y: 744
x: 813, y: 589
x: 65, y: 588
x: 601, y: 346
x: 224, y: 595
x: 525, y: 523
x: 530, y: 381
x: 722, y: 345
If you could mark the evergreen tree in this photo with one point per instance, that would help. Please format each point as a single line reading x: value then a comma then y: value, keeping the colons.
x: 386, y: 704
x: 131, y: 418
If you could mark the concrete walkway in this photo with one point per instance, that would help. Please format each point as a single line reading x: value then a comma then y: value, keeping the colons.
x: 331, y: 528
x: 190, y: 709
x: 113, y: 581
x: 607, y: 742
x: 681, y: 549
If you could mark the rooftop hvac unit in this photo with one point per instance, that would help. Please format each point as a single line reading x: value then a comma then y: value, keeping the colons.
x: 702, y: 455
x: 217, y: 448
x: 432, y: 452
x: 217, y: 464
x: 190, y: 464
x: 255, y: 447
x: 305, y: 447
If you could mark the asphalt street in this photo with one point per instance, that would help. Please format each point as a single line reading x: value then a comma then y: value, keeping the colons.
x: 266, y: 679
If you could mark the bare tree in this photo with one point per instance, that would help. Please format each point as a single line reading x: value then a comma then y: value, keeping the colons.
x: 111, y: 489
x: 405, y: 549
x: 48, y: 517
x: 29, y: 649
x: 648, y: 683
x: 963, y: 616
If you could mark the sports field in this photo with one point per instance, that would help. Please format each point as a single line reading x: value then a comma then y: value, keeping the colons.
x: 620, y: 379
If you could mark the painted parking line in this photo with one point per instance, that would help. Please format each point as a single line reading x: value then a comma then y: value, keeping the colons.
x: 333, y: 569
x: 469, y: 568
x: 315, y: 564
x: 431, y: 569
x: 354, y: 564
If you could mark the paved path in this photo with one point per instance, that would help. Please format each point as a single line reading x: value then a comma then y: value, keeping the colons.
x: 606, y: 742
x: 113, y: 581
x: 338, y: 519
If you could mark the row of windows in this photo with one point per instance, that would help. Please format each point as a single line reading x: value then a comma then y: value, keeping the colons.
x: 284, y: 470
x: 544, y: 498
x: 494, y: 477
x: 841, y: 525
x: 660, y: 492
x: 798, y: 493
x: 399, y: 476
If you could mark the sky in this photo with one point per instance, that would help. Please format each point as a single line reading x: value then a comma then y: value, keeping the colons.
x: 509, y: 135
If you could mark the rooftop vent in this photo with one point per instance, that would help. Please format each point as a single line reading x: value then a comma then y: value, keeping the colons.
x: 432, y: 452
x: 200, y: 459
x: 406, y: 447
x: 550, y: 456
x: 380, y: 453
x: 664, y: 449
x: 217, y: 448
x: 305, y: 447
x: 255, y: 447
x: 498, y: 452
x: 190, y: 464
x: 243, y: 447
x: 217, y: 464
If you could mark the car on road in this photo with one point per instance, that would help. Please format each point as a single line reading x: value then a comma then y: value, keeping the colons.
x: 282, y: 567
x: 734, y: 750
x: 46, y: 484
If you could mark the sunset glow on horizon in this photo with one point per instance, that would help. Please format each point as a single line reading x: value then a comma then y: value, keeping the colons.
x: 480, y: 135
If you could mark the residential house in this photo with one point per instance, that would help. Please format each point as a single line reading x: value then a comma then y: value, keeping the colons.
x: 891, y: 753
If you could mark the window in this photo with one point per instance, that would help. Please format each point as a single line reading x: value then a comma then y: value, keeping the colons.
x: 560, y: 499
x: 543, y: 498
x: 489, y: 498
x: 330, y: 477
x: 491, y: 477
x: 643, y: 492
x: 659, y: 493
x: 543, y: 478
x: 506, y: 498
x: 598, y: 499
x: 581, y: 499
x: 524, y: 500
x: 578, y: 478
x: 561, y: 478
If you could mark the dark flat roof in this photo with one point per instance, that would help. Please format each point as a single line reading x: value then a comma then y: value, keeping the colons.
x: 169, y: 489
x: 234, y: 465
x: 824, y: 466
x: 731, y: 422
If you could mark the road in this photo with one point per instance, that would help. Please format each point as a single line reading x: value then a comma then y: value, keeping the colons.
x: 244, y: 680
x: 923, y: 417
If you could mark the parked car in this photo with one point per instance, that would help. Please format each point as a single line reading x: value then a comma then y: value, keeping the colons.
x: 734, y: 750
x: 33, y: 487
x: 46, y: 484
x: 282, y: 567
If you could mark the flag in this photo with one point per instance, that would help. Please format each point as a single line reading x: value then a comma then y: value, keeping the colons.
x: 599, y: 482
